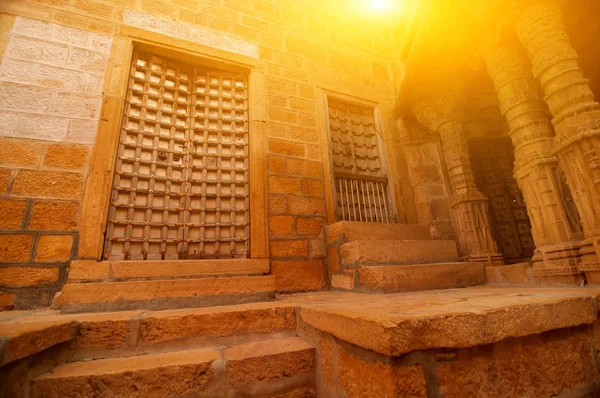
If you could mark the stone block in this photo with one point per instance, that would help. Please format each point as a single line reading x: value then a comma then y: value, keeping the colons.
x: 61, y: 78
x: 343, y: 281
x: 12, y: 213
x: 299, y: 275
x: 285, y: 147
x: 54, y: 216
x: 289, y: 248
x: 399, y: 252
x: 5, y: 179
x: 533, y: 366
x: 175, y: 373
x: 317, y: 248
x: 327, y: 348
x: 48, y: 184
x: 53, y: 248
x: 32, y: 27
x: 15, y: 248
x: 67, y: 35
x: 166, y: 269
x: 309, y: 226
x: 77, y: 105
x: 163, y: 326
x: 23, y: 339
x: 43, y: 127
x: 281, y: 225
x: 87, y: 60
x: 306, y: 206
x: 28, y: 276
x: 82, y: 131
x: 359, y: 378
x: 268, y: 360
x: 284, y: 185
x: 275, y: 164
x: 282, y: 115
x: 95, y: 9
x: 303, y: 134
x: 88, y: 270
x: 401, y: 278
x: 104, y: 331
x: 8, y: 123
x: 94, y: 84
x: 277, y: 205
x: 374, y: 231
x: 66, y: 156
x: 7, y: 301
x: 312, y: 188
x: 16, y: 71
x: 33, y: 49
x: 100, y: 43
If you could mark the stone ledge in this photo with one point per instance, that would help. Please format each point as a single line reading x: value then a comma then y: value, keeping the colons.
x: 398, y: 252
x: 92, y: 271
x: 352, y: 231
x: 402, y: 278
x: 163, y: 294
x: 400, y: 323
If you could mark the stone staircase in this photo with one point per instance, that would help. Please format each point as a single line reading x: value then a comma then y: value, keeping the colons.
x: 230, y: 351
x: 125, y: 285
x: 389, y: 258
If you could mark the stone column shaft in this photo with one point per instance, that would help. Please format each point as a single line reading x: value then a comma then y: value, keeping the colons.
x: 576, y: 116
x: 555, y: 225
x: 469, y: 206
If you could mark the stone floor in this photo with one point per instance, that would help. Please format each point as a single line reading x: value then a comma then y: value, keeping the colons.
x: 383, y: 329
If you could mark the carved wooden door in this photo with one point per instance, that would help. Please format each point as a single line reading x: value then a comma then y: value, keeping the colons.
x: 359, y: 173
x: 493, y: 165
x: 181, y: 184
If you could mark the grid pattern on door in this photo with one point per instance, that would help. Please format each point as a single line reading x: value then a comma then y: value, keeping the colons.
x: 360, y: 182
x: 181, y: 186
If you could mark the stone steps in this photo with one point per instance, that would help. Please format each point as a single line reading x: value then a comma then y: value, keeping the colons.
x: 104, y: 271
x: 394, y: 252
x: 99, y: 335
x: 394, y: 278
x: 164, y: 293
x: 268, y: 367
x: 349, y: 231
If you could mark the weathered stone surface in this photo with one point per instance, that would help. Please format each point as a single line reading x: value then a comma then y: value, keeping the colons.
x: 20, y: 152
x: 421, y: 277
x: 170, y: 325
x: 363, y: 379
x: 299, y: 275
x: 343, y: 281
x: 66, y: 156
x: 15, y: 248
x: 532, y: 366
x: 53, y: 248
x: 268, y: 360
x: 54, y: 216
x: 114, y: 292
x: 398, y: 252
x: 82, y: 270
x: 373, y: 231
x: 28, y: 276
x: 104, y: 331
x: 7, y: 301
x: 48, y: 184
x: 175, y: 373
x: 11, y: 213
x: 399, y: 323
x: 186, y: 268
x: 23, y: 338
x: 327, y: 349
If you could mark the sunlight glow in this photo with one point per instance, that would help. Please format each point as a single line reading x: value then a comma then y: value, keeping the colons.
x: 379, y: 4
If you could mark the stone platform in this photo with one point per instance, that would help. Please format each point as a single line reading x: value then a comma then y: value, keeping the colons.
x: 126, y: 285
x: 479, y: 341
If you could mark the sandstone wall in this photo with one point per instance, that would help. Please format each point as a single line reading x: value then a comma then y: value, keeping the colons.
x: 62, y: 65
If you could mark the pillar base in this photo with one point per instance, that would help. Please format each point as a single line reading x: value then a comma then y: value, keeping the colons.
x: 558, y: 264
x: 490, y: 259
x: 590, y: 260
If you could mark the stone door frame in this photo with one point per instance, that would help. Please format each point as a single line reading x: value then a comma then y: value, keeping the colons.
x: 99, y: 182
x: 385, y: 141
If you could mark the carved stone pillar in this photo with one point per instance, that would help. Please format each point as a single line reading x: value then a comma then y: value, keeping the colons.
x: 555, y: 225
x: 469, y: 206
x: 576, y: 116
